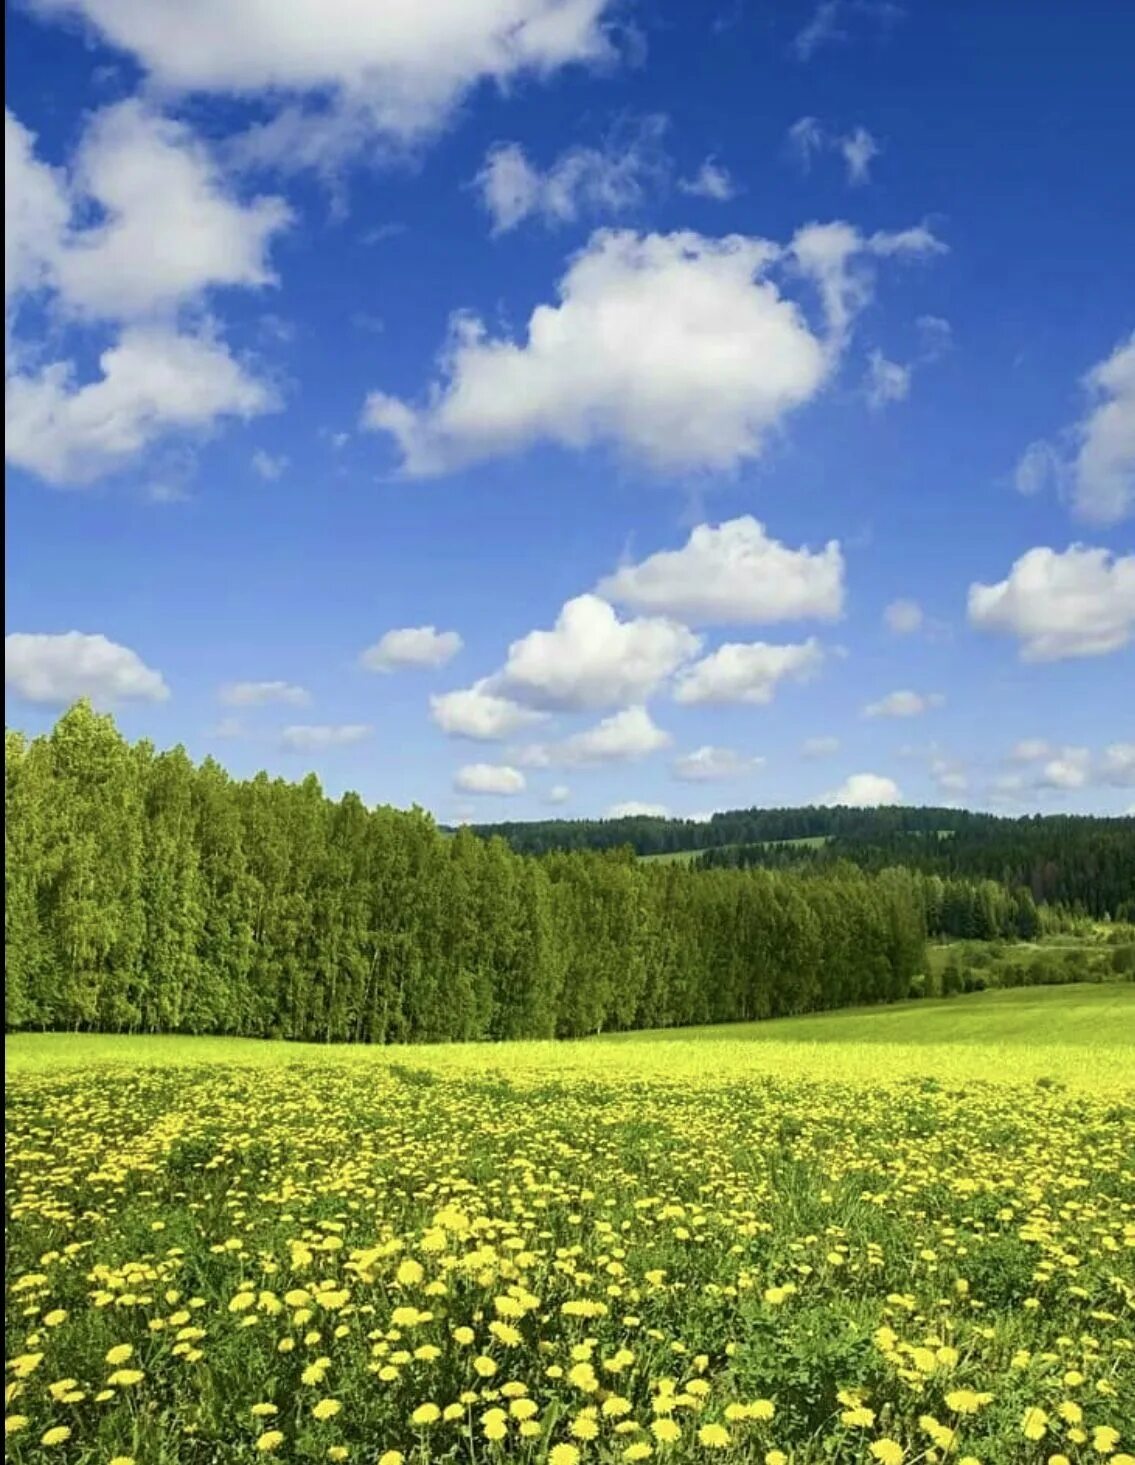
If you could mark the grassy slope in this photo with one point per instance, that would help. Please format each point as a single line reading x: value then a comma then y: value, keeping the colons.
x: 1081, y: 1035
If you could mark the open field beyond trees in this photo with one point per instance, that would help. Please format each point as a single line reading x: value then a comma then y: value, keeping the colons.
x: 900, y: 1234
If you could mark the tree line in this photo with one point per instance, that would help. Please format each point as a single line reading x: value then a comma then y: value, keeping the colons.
x: 1082, y: 863
x: 147, y: 893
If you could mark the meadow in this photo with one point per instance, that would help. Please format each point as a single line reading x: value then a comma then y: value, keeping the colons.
x: 898, y: 1234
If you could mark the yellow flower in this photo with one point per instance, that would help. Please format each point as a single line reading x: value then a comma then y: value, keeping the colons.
x: 337, y: 1452
x: 858, y: 1418
x: 124, y: 1377
x: 262, y: 1411
x: 762, y: 1409
x: 640, y: 1450
x: 122, y: 1460
x: 119, y: 1354
x: 584, y: 1427
x: 563, y: 1455
x: 425, y: 1414
x: 1034, y: 1424
x: 1104, y: 1439
x: 326, y: 1409
x: 714, y: 1437
x: 13, y: 1423
x: 484, y: 1366
x: 666, y: 1431
x: 270, y: 1440
x: 409, y: 1272
x: 392, y: 1457
x: 776, y: 1457
x: 59, y: 1434
x: 887, y: 1452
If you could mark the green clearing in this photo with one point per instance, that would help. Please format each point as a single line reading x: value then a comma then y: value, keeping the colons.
x: 1081, y: 1035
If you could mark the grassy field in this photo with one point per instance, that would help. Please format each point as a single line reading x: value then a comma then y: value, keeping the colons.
x: 869, y: 1236
x: 685, y: 856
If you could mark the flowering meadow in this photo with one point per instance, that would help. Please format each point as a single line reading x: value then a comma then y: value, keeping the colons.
x: 402, y: 1261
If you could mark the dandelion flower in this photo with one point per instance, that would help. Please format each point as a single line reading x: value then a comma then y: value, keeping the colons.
x: 714, y: 1437
x: 59, y: 1434
x: 270, y: 1440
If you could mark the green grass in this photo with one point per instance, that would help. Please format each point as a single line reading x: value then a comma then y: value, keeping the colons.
x: 685, y: 856
x: 1082, y: 1035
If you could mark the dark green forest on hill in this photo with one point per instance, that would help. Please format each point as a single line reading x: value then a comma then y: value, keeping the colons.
x: 1084, y: 863
x: 146, y: 893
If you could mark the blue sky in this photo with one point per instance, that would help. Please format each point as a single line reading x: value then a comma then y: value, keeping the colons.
x: 335, y: 321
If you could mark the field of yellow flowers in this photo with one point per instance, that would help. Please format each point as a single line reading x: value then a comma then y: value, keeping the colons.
x: 389, y: 1263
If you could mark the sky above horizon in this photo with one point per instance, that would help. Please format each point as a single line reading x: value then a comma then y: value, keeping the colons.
x: 532, y: 408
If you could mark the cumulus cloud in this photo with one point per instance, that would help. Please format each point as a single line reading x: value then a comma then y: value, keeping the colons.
x: 903, y: 617
x: 166, y: 230
x: 752, y: 672
x: 411, y: 646
x: 321, y: 737
x: 581, y: 181
x: 54, y: 670
x: 1094, y: 459
x: 1079, y: 602
x: 633, y: 809
x: 711, y: 765
x: 623, y: 737
x: 678, y: 350
x: 257, y: 694
x: 592, y: 659
x: 478, y: 713
x: 153, y: 381
x: 397, y: 69
x: 733, y: 573
x: 559, y: 793
x: 711, y: 181
x: 1117, y: 766
x: 1070, y: 770
x: 903, y: 704
x: 822, y: 747
x: 489, y: 778
x: 859, y: 150
x: 864, y: 791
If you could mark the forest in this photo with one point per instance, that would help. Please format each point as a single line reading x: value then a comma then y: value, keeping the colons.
x: 1081, y: 862
x: 144, y: 893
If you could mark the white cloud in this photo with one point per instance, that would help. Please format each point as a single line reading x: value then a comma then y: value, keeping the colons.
x: 859, y: 150
x: 1030, y: 750
x: 489, y: 778
x: 153, y: 381
x: 747, y: 672
x: 36, y: 211
x: 1070, y: 770
x: 169, y: 229
x: 396, y: 69
x: 632, y: 809
x: 559, y: 793
x: 1095, y: 460
x: 903, y: 617
x: 412, y: 646
x: 710, y: 181
x: 320, y: 737
x: 826, y: 26
x: 1079, y: 602
x: 1117, y: 766
x: 807, y: 138
x: 478, y: 713
x: 1039, y: 465
x: 581, y: 181
x: 863, y: 791
x: 733, y: 573
x: 937, y: 336
x: 949, y: 775
x: 676, y: 349
x: 267, y: 467
x: 819, y: 747
x: 257, y: 694
x: 229, y: 727
x: 57, y: 669
x: 710, y: 765
x: 592, y: 659
x: 887, y: 381
x: 903, y: 704
x: 622, y: 737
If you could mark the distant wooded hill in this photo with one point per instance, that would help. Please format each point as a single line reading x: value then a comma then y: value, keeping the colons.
x: 1081, y: 861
